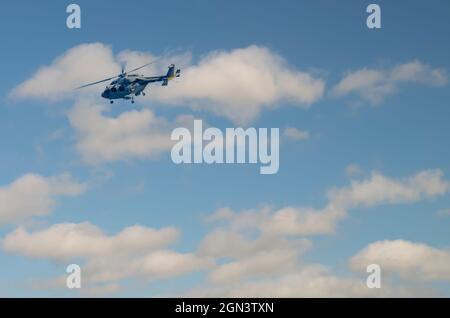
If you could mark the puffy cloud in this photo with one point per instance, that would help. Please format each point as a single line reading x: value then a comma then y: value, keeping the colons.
x: 158, y: 264
x: 34, y: 195
x: 409, y: 260
x: 295, y: 134
x: 237, y: 84
x: 269, y: 265
x: 240, y: 83
x: 79, y: 65
x: 132, y: 134
x: 254, y: 253
x: 307, y: 281
x: 375, y: 85
x: 248, y: 256
x: 377, y: 189
x: 380, y: 189
x: 257, y: 265
x: 244, y: 253
x: 293, y: 221
x: 230, y: 243
x: 259, y: 251
x: 70, y: 240
x: 304, y: 221
x: 134, y: 252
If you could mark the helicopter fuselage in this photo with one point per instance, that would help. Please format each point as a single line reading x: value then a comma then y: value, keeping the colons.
x: 125, y: 88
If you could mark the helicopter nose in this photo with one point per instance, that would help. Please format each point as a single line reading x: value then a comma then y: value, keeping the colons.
x: 104, y: 94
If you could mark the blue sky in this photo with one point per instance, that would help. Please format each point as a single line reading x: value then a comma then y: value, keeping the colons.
x: 398, y: 137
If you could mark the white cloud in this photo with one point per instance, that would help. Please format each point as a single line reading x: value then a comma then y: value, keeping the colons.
x: 258, y: 252
x: 304, y: 221
x: 158, y: 264
x: 307, y: 281
x: 237, y: 84
x: 245, y: 252
x: 71, y: 240
x: 240, y: 83
x: 262, y: 264
x: 132, y: 134
x: 254, y: 253
x: 416, y: 261
x: 378, y: 189
x: 295, y: 134
x: 258, y: 264
x: 375, y: 85
x: 233, y: 243
x: 34, y: 195
x: 248, y: 256
x: 134, y: 252
x: 79, y: 65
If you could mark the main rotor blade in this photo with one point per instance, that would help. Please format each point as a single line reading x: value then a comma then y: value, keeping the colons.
x: 123, y: 72
x: 138, y: 68
x: 90, y: 84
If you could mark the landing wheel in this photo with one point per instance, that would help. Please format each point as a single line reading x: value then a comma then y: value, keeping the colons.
x: 132, y: 101
x: 143, y: 94
x: 111, y: 102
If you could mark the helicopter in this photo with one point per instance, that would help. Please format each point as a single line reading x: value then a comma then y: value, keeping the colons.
x: 127, y: 85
